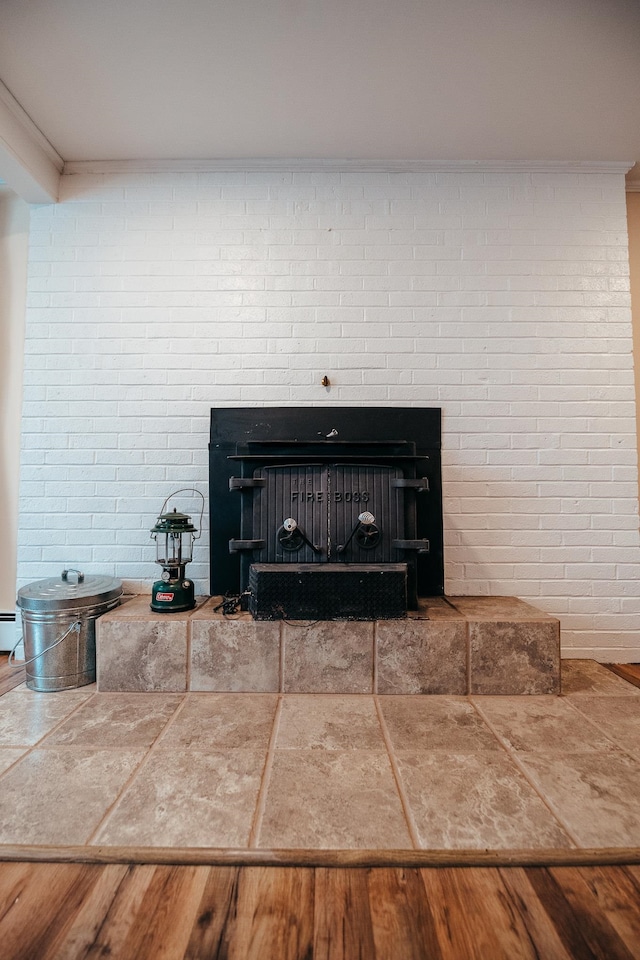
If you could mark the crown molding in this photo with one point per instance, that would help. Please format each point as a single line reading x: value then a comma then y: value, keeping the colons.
x: 29, y: 164
x: 76, y: 167
x: 34, y: 132
x: 633, y: 179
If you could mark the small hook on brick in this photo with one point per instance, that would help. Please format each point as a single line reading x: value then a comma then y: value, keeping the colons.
x: 325, y: 381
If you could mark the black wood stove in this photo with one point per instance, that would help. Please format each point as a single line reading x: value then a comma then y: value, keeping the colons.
x: 326, y: 512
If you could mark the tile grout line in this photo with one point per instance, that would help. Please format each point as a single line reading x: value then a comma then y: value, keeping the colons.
x: 375, y: 658
x: 29, y: 748
x: 633, y: 683
x: 404, y: 801
x: 134, y: 773
x: 522, y: 768
x: 188, y: 655
x: 616, y: 743
x: 261, y: 802
x: 467, y: 637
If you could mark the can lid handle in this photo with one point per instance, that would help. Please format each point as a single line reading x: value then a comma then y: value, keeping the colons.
x: 79, y: 574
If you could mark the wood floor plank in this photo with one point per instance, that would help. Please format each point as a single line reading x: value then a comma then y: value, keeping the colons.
x: 477, y: 917
x: 10, y: 675
x: 539, y: 928
x: 634, y: 872
x: 579, y: 920
x: 273, y: 915
x: 123, y: 913
x: 14, y: 877
x: 456, y: 939
x: 617, y: 896
x: 342, y: 915
x: 9, y: 682
x: 73, y: 937
x: 48, y: 900
x: 217, y: 905
x: 403, y: 925
x: 166, y: 915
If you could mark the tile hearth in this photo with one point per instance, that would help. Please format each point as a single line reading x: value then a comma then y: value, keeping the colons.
x: 450, y: 646
x: 323, y: 772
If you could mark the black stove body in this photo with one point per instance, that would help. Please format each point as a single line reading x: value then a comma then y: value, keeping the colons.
x: 326, y: 512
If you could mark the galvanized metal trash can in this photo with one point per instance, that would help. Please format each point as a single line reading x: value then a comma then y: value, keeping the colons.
x: 58, y: 627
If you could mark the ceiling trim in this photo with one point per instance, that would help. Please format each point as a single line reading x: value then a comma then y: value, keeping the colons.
x: 34, y: 132
x: 75, y: 167
x: 28, y: 162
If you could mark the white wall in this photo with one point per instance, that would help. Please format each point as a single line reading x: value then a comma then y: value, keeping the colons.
x: 14, y: 234
x: 633, y: 222
x: 501, y: 297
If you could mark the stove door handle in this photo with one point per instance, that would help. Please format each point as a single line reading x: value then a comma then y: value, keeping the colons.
x: 291, y: 532
x: 367, y: 521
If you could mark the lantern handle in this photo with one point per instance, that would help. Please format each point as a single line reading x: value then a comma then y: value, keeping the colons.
x: 187, y: 490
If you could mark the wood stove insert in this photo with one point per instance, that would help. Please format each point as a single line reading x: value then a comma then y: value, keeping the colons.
x: 326, y: 512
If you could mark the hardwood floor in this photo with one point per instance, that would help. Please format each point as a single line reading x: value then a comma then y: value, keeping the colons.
x: 146, y: 912
x: 73, y: 911
x: 10, y: 676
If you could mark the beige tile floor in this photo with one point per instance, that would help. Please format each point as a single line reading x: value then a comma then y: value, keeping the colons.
x: 323, y: 771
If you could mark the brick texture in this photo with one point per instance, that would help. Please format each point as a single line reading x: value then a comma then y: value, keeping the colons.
x: 500, y: 297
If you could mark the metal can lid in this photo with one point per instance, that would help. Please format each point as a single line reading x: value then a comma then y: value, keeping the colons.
x: 57, y: 593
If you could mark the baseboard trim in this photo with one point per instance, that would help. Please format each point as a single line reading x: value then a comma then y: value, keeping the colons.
x: 9, y: 631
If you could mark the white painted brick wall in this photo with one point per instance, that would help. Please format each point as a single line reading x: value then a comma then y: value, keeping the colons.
x: 501, y: 297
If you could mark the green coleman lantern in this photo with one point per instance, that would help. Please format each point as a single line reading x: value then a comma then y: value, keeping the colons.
x: 174, y: 535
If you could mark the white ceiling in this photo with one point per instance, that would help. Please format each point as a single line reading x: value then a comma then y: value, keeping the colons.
x: 426, y: 80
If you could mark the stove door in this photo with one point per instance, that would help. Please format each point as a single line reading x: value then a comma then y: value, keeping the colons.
x: 338, y: 513
x: 290, y: 514
x: 366, y: 513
